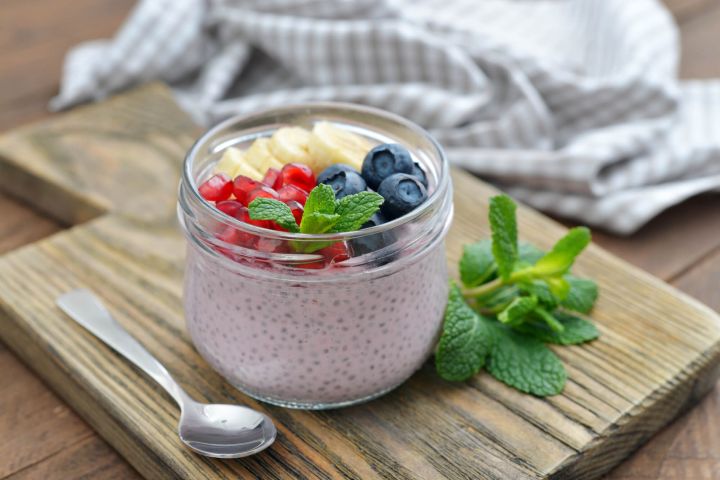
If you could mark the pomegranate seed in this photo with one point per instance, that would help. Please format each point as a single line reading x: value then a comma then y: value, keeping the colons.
x: 244, y: 216
x: 271, y: 177
x: 271, y: 245
x: 261, y: 191
x: 316, y: 265
x: 337, y: 252
x: 297, y: 174
x: 242, y: 186
x: 229, y: 207
x: 216, y: 188
x: 291, y: 192
x: 236, y: 237
x: 297, y: 210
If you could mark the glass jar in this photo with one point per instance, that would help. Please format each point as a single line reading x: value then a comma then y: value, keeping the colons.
x: 289, y: 328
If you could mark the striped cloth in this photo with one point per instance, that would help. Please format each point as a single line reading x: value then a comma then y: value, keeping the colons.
x: 572, y: 106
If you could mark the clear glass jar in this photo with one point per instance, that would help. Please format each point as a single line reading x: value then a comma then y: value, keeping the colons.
x: 288, y: 333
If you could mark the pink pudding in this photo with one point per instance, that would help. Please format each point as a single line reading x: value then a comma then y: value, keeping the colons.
x: 325, y: 337
x: 305, y: 343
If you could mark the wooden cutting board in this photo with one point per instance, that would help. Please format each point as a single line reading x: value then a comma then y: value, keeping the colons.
x: 112, y: 170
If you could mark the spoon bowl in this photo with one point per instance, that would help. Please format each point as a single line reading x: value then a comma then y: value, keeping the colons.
x: 222, y: 431
x: 214, y: 430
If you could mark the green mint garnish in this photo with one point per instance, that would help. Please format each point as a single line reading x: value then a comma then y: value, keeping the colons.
x: 477, y: 263
x: 322, y: 214
x: 355, y: 210
x: 504, y: 234
x: 271, y: 209
x: 582, y: 294
x: 513, y: 300
x: 320, y: 200
x: 525, y: 363
x: 575, y: 330
x: 518, y: 309
x: 465, y: 342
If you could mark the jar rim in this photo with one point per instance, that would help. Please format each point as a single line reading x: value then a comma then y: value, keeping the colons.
x: 435, y: 196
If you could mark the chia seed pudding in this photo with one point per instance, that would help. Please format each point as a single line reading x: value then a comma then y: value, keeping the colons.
x: 316, y: 338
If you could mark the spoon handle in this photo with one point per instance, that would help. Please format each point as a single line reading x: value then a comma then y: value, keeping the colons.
x: 87, y: 310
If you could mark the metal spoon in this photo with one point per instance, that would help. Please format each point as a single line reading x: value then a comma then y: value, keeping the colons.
x: 223, y: 431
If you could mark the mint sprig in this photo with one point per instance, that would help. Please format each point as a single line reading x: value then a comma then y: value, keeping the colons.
x: 322, y: 214
x: 271, y: 209
x: 513, y: 300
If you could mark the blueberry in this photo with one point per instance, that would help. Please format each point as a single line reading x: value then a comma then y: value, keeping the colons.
x: 402, y: 194
x: 418, y: 172
x: 345, y: 183
x: 384, y: 160
x: 373, y: 243
x: 332, y: 170
x: 375, y: 220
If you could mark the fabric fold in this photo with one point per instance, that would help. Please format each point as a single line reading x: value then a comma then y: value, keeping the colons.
x: 574, y: 107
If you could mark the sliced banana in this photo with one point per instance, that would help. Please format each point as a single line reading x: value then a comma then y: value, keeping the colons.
x: 260, y: 157
x: 233, y: 163
x: 247, y: 170
x: 330, y: 144
x: 290, y: 145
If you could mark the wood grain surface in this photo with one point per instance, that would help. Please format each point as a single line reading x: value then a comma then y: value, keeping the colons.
x: 658, y: 353
x: 681, y: 246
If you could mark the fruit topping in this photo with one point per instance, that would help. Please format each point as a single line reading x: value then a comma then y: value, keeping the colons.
x: 331, y: 144
x: 290, y: 145
x: 244, y: 216
x: 229, y: 207
x: 291, y: 192
x: 375, y: 220
x: 402, y: 194
x: 263, y: 191
x: 233, y: 163
x: 383, y: 161
x: 332, y: 170
x: 216, y: 188
x: 297, y: 210
x: 345, y: 182
x: 260, y: 157
x: 333, y: 254
x: 271, y: 177
x: 297, y: 174
x: 419, y: 173
x: 242, y: 186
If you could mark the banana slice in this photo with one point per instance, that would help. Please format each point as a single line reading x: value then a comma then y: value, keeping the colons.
x: 248, y: 171
x: 233, y: 163
x: 290, y: 145
x: 330, y: 144
x: 260, y: 157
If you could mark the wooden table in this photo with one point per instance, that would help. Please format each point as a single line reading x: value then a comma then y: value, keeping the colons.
x: 40, y: 437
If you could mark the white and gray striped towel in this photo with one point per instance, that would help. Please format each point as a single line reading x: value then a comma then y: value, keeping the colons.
x: 573, y: 106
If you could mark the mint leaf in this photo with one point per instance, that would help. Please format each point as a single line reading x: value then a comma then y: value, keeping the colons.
x: 499, y: 298
x: 529, y: 253
x: 321, y: 199
x: 552, y: 322
x: 576, y: 330
x: 519, y: 308
x: 504, y: 234
x: 355, y: 210
x: 477, y: 263
x: 315, y: 223
x: 525, y: 363
x: 318, y: 222
x: 559, y: 260
x: 275, y: 210
x: 558, y: 286
x: 541, y: 290
x: 465, y: 340
x: 582, y: 294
